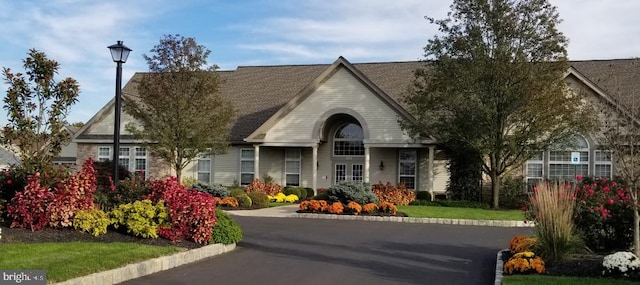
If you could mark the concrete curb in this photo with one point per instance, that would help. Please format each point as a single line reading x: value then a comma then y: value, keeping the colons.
x: 147, y: 267
x: 499, y: 267
x: 464, y: 222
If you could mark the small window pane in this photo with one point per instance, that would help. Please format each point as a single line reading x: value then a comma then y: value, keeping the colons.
x: 246, y: 178
x: 293, y: 167
x: 204, y: 177
x: 534, y: 170
x: 246, y: 166
x: 409, y: 182
x: 124, y: 151
x: 141, y: 151
x: 293, y: 180
x: 247, y: 154
x: 204, y: 165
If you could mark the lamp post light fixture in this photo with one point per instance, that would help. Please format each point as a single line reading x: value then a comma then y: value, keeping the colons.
x: 119, y: 54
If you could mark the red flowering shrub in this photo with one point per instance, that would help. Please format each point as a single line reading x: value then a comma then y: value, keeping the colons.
x: 28, y: 208
x: 192, y: 213
x: 268, y: 188
x: 399, y: 194
x: 604, y: 214
x: 72, y: 195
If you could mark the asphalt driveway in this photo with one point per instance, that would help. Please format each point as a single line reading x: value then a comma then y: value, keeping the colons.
x: 318, y: 251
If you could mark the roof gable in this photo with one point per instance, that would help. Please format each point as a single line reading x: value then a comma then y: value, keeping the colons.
x: 305, y: 92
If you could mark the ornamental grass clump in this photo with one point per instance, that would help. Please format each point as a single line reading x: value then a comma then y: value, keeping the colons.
x: 524, y: 262
x: 553, y: 207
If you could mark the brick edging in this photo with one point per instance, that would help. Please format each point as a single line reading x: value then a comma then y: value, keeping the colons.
x: 147, y: 267
x: 466, y: 222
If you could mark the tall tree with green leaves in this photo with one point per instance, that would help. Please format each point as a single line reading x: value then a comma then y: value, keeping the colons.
x: 494, y: 80
x: 181, y: 113
x: 620, y: 133
x: 37, y: 106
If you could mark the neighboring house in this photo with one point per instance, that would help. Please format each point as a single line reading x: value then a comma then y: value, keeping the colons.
x: 69, y: 151
x: 315, y: 125
x: 8, y: 158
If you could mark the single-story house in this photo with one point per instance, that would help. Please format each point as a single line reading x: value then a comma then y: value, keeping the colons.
x: 319, y: 124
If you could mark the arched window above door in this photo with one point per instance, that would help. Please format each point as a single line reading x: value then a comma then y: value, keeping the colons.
x: 347, y: 140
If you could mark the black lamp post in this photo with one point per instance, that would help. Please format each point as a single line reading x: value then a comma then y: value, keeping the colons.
x: 119, y: 53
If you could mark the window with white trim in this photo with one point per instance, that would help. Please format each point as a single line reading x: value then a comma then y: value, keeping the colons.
x: 357, y: 171
x: 603, y: 165
x: 104, y: 153
x: 246, y: 166
x: 140, y: 160
x: 561, y: 167
x: 341, y: 172
x: 535, y: 173
x: 292, y: 165
x: 203, y: 169
x: 133, y: 159
x: 407, y: 164
x: 124, y: 157
x: 348, y: 140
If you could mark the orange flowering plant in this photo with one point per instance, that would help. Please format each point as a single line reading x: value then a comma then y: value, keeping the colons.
x: 370, y: 208
x: 336, y: 208
x: 354, y: 208
x: 524, y: 262
x: 229, y: 202
x: 521, y: 243
x: 388, y: 207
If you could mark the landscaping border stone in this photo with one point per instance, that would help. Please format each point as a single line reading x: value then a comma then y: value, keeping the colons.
x: 147, y: 267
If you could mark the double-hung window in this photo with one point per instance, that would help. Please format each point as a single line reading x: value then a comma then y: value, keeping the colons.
x: 534, y: 170
x: 204, y: 169
x: 133, y: 159
x: 292, y: 166
x: 246, y: 166
x: 407, y: 168
x: 603, y: 164
x: 104, y: 153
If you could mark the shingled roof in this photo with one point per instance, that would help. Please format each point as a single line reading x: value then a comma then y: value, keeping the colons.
x: 258, y: 92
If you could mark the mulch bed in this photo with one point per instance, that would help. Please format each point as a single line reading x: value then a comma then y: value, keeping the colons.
x: 10, y: 235
x: 579, y: 265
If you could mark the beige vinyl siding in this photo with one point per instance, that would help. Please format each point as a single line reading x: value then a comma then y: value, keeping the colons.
x: 104, y: 126
x: 390, y: 158
x: 272, y: 163
x: 325, y: 165
x: 340, y: 90
x: 440, y: 172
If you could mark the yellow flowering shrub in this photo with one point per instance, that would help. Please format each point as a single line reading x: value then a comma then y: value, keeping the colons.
x: 278, y: 198
x: 354, y: 208
x: 291, y: 198
x: 524, y: 262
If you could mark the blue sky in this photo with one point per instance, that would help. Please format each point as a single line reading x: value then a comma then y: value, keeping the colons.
x: 269, y: 32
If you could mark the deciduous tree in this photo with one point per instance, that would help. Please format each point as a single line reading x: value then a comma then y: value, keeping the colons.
x: 37, y: 106
x: 178, y: 106
x: 494, y: 80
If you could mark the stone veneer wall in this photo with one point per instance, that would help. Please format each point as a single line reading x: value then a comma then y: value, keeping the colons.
x: 86, y: 151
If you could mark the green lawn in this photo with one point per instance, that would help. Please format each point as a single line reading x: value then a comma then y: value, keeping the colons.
x: 555, y: 280
x: 461, y: 213
x: 64, y: 261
